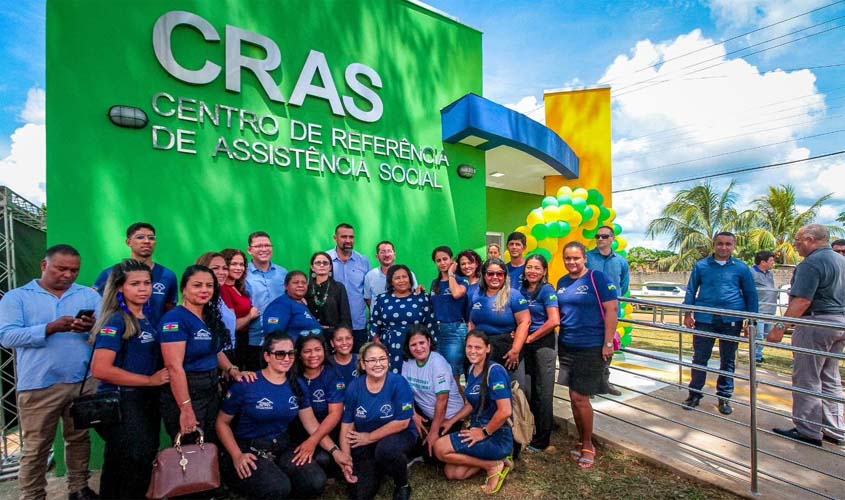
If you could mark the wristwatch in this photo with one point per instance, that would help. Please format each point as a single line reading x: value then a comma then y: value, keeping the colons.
x: 334, y: 449
x: 780, y: 326
x: 484, y: 431
x: 608, y: 344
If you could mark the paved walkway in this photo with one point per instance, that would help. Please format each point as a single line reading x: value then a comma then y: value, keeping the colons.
x: 664, y: 433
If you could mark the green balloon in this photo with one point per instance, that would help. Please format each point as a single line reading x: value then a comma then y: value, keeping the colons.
x: 614, y: 245
x: 587, y: 214
x: 549, y: 201
x: 617, y: 229
x: 545, y: 253
x: 564, y: 199
x: 604, y: 213
x: 623, y: 253
x: 540, y: 231
x: 553, y: 230
x: 563, y: 229
x: 589, y: 233
x: 579, y: 204
x: 594, y: 197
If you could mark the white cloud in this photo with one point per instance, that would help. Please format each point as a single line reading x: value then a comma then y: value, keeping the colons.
x: 530, y: 107
x: 24, y: 168
x: 758, y: 13
x: 692, y: 125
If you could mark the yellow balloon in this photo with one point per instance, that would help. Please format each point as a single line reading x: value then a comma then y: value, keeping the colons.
x: 629, y: 309
x: 580, y: 193
x: 549, y: 244
x: 590, y: 224
x: 574, y: 219
x: 612, y: 215
x: 596, y: 212
x: 551, y: 214
x: 524, y: 230
x: 565, y: 212
x: 621, y: 331
x: 534, y: 218
x: 530, y: 243
x: 623, y: 243
x: 564, y: 190
x: 591, y: 244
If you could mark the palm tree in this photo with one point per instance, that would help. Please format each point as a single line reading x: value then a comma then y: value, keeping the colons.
x: 776, y: 220
x: 841, y: 218
x: 693, y: 219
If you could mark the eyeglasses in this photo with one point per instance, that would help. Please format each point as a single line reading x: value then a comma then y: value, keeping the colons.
x: 142, y: 237
x: 321, y: 263
x: 376, y: 361
x: 280, y: 355
x: 603, y: 236
x: 386, y: 252
x: 264, y: 245
x: 494, y: 274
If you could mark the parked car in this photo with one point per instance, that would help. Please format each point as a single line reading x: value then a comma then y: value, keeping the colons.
x: 659, y: 291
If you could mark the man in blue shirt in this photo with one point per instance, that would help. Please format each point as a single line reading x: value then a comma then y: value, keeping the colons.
x: 47, y: 322
x: 767, y: 294
x: 349, y: 268
x: 615, y: 267
x: 516, y: 267
x: 141, y: 240
x: 723, y: 282
x: 265, y: 281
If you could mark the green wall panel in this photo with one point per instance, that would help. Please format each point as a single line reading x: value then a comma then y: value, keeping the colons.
x: 507, y: 210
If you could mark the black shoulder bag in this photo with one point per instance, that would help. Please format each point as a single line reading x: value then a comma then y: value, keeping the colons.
x: 100, y: 408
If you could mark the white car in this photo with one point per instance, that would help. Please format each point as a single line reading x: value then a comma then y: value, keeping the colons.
x: 660, y: 291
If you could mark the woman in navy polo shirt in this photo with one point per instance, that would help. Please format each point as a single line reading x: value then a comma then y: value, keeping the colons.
x: 344, y: 360
x: 261, y: 462
x: 192, y: 339
x: 448, y: 300
x: 487, y: 444
x: 377, y: 429
x: 502, y: 313
x: 325, y: 388
x: 289, y: 312
x: 395, y: 311
x: 469, y: 266
x: 540, y: 346
x: 589, y: 312
x: 127, y: 358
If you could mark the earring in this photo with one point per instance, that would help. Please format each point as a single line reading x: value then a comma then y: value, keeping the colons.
x: 122, y: 302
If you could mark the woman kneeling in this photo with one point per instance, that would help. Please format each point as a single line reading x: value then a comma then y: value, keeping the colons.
x: 488, y: 443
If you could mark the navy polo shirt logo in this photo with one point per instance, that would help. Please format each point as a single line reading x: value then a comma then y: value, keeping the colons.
x: 386, y: 411
x: 582, y: 290
x: 476, y: 389
x: 264, y: 404
x: 202, y: 334
x: 146, y: 337
x: 319, y: 396
x: 476, y: 306
x: 294, y: 404
x: 159, y: 288
x: 360, y: 412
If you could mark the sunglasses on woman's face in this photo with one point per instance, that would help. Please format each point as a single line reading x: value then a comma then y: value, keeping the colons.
x: 321, y: 263
x: 494, y: 274
x: 280, y: 355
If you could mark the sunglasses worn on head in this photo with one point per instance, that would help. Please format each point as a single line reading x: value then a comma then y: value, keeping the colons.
x: 280, y: 355
x: 491, y: 274
x: 603, y: 236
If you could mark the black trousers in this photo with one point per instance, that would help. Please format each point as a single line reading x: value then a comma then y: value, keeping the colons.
x: 540, y: 369
x: 275, y: 476
x: 204, y: 392
x: 131, y: 445
x: 388, y: 457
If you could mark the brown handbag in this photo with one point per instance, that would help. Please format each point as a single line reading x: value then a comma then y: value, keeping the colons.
x: 183, y: 470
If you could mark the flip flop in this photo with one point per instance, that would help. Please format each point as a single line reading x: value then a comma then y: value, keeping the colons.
x: 501, y: 475
x: 575, y: 453
x: 585, y: 462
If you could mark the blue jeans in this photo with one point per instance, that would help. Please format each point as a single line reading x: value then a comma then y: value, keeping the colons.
x: 763, y: 330
x: 703, y: 348
x: 451, y: 340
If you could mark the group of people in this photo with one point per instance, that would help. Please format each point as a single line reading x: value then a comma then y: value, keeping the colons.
x: 349, y: 371
x: 344, y: 371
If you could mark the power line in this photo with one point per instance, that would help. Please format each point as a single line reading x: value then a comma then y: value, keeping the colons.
x: 726, y: 61
x: 741, y: 35
x: 728, y: 153
x: 730, y: 172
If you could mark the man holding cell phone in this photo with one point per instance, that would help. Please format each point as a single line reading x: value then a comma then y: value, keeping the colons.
x: 47, y: 322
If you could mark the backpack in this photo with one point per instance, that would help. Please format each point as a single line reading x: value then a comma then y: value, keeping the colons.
x: 521, y: 420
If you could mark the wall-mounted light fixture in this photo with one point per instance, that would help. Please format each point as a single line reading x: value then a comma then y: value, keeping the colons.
x: 466, y: 171
x: 497, y: 174
x: 128, y: 116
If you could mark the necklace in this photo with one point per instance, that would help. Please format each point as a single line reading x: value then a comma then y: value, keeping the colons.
x: 315, y: 289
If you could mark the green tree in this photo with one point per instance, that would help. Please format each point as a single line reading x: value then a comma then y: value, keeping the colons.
x: 776, y: 219
x: 692, y: 219
x: 841, y: 218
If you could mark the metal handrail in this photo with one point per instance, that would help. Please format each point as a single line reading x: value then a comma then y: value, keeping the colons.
x: 659, y: 309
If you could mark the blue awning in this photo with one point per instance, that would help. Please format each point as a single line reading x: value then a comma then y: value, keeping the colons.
x: 481, y: 123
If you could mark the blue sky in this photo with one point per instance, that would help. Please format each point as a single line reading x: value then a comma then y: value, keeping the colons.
x: 742, y: 112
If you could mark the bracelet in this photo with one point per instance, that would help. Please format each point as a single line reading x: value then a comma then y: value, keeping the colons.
x: 185, y: 402
x: 334, y: 449
x: 484, y: 431
x: 233, y: 367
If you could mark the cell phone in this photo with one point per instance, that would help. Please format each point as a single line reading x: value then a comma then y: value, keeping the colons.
x: 85, y: 312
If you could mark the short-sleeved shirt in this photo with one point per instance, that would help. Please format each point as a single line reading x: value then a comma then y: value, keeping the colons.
x: 351, y: 274
x: 347, y: 372
x: 229, y: 319
x: 515, y: 274
x: 263, y: 287
x: 485, y: 318
x: 236, y: 301
x: 291, y: 316
x: 430, y: 380
x: 326, y: 389
x: 581, y: 320
x: 375, y: 283
x: 447, y: 309
x: 821, y: 278
x: 392, y: 318
x: 498, y: 387
x: 370, y: 411
x: 471, y: 291
x: 165, y: 289
x: 264, y: 409
x: 181, y: 325
x: 141, y: 354
x: 538, y: 305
